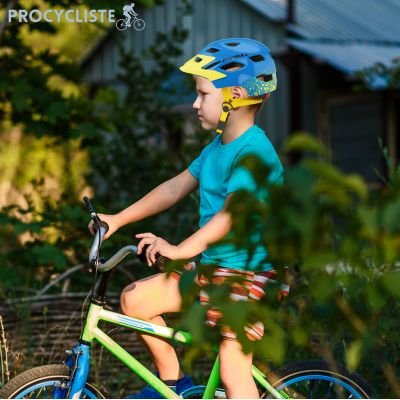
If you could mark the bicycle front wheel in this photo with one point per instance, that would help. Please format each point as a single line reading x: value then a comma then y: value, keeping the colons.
x: 46, y: 382
x: 317, y: 379
x: 139, y: 24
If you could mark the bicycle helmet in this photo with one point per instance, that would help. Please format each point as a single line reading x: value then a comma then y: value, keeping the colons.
x: 235, y: 62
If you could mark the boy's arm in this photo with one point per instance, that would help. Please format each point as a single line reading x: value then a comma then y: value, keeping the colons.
x: 215, y: 229
x: 159, y: 199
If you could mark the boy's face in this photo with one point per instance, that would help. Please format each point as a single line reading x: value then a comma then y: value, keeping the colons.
x: 208, y: 103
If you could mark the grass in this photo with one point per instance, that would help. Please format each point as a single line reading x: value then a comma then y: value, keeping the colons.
x: 4, y: 350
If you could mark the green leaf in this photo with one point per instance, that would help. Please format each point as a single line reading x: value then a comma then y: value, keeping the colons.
x: 353, y: 354
x: 391, y: 217
x: 391, y: 282
x: 56, y: 111
x: 302, y: 141
x: 48, y: 254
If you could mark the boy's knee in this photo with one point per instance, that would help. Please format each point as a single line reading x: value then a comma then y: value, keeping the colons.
x: 128, y: 301
x: 234, y: 363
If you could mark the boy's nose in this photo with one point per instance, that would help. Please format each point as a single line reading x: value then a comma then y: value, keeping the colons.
x: 196, y: 104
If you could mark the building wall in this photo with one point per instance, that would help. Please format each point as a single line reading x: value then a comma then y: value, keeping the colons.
x: 350, y: 123
x: 210, y: 20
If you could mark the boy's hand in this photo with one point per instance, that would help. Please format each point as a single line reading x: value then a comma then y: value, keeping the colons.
x: 112, y: 222
x: 156, y: 246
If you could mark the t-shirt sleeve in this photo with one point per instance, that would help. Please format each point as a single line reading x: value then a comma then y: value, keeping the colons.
x: 242, y: 178
x: 196, y: 164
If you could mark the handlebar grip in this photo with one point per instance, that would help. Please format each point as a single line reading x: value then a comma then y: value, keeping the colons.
x: 104, y: 225
x: 160, y: 260
x: 88, y: 204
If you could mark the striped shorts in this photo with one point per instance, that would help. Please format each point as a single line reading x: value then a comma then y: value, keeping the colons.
x: 251, y: 288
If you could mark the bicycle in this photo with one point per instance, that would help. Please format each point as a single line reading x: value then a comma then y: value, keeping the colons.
x: 304, y: 379
x: 138, y: 23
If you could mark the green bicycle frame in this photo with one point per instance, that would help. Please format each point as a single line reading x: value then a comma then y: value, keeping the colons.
x: 92, y: 332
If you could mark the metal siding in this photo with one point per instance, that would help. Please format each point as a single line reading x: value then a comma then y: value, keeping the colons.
x: 235, y: 23
x: 116, y: 60
x: 309, y: 96
x: 159, y: 21
x: 147, y: 33
x: 350, y: 58
x: 225, y: 20
x: 198, y: 26
x: 96, y: 65
x: 108, y: 72
x: 273, y: 10
x: 348, y: 19
x: 283, y: 93
x: 246, y: 22
x: 274, y: 116
x: 211, y: 21
x: 187, y: 45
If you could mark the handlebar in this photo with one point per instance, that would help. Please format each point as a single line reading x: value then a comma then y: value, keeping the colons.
x: 101, y: 230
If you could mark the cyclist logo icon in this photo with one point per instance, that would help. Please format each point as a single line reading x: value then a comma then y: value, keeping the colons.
x: 131, y: 18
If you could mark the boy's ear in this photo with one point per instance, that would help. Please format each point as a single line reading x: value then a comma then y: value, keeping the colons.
x: 238, y: 92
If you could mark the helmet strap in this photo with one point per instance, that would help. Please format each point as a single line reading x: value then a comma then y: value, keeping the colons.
x: 230, y: 103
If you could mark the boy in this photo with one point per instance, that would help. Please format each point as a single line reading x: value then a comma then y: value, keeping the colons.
x: 237, y: 74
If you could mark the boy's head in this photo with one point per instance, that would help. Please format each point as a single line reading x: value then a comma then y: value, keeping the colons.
x: 209, y: 101
x: 235, y: 73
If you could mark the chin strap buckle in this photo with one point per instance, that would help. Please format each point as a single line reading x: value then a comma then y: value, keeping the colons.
x: 226, y: 108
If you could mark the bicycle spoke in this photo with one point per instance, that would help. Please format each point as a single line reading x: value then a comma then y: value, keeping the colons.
x: 310, y: 391
x: 329, y: 389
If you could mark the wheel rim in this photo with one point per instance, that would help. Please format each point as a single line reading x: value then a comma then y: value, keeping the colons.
x: 139, y: 24
x: 46, y: 390
x: 311, y: 387
x: 197, y: 392
x: 121, y: 24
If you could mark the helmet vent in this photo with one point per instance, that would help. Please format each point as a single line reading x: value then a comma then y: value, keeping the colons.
x: 198, y: 59
x: 232, y: 44
x: 212, y: 50
x: 265, y: 78
x: 228, y: 66
x: 211, y: 65
x: 257, y: 58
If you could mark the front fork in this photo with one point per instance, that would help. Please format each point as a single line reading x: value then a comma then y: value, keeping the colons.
x: 78, y: 361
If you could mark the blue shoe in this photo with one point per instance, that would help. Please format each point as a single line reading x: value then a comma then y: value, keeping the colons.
x: 149, y: 393
x: 184, y: 384
x: 146, y: 393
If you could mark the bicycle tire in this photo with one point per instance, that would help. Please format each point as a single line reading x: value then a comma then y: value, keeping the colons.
x: 292, y: 380
x: 39, y: 376
x: 121, y: 24
x: 196, y: 392
x: 139, y: 24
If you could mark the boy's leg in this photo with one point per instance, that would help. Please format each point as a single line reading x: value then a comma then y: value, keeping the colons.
x: 147, y: 299
x: 236, y: 371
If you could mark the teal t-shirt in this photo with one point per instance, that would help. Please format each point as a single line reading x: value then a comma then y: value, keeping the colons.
x: 219, y: 175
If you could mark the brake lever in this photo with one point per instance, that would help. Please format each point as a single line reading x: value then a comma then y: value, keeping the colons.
x: 95, y: 218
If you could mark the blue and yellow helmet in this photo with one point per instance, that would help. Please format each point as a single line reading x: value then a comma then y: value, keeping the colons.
x: 247, y: 59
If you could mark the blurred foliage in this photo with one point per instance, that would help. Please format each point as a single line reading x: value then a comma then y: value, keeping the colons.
x: 381, y: 75
x: 342, y: 244
x: 52, y: 124
x: 340, y: 240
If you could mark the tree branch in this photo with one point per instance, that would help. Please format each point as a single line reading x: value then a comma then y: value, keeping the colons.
x: 59, y: 278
